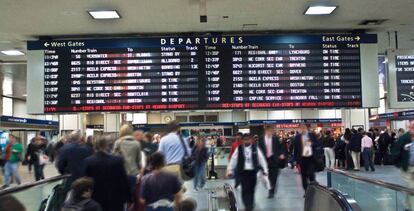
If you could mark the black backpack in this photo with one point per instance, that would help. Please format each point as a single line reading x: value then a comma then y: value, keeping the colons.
x: 187, y: 163
x: 76, y: 206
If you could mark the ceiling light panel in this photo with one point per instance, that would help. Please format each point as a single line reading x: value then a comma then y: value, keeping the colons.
x: 104, y: 14
x: 320, y: 10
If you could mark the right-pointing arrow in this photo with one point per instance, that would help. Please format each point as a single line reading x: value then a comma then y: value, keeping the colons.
x: 357, y: 38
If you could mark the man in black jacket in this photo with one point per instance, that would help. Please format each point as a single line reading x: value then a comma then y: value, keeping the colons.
x: 355, y: 147
x: 306, y: 151
x: 111, y: 188
x: 71, y: 157
x: 274, y: 153
x: 247, y: 160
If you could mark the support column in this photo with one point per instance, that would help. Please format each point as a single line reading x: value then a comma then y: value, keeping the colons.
x: 70, y: 122
x: 112, y: 123
x: 355, y: 118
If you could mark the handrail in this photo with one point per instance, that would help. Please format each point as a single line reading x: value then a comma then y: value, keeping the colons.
x: 341, y: 199
x: 32, y: 184
x: 373, y: 181
x: 232, y: 198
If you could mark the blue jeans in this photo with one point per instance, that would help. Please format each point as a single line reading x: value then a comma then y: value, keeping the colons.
x: 367, y: 155
x: 10, y: 169
x: 200, y: 175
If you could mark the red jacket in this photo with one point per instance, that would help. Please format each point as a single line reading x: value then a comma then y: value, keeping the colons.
x: 234, y: 146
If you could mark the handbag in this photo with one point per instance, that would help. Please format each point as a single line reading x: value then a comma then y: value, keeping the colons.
x: 43, y: 159
x: 187, y: 166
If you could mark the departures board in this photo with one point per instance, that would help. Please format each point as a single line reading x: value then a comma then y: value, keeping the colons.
x: 198, y: 73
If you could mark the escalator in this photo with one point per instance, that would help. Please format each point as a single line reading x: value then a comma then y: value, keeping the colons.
x: 320, y: 198
x: 44, y: 195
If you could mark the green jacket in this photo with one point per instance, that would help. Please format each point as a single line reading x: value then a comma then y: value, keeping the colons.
x: 399, y: 154
x: 16, y: 153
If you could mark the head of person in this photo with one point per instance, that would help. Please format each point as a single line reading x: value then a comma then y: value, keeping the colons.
x: 364, y: 133
x: 303, y: 129
x: 38, y: 140
x: 255, y: 138
x: 200, y: 142
x: 12, y: 139
x: 173, y: 127
x: 157, y: 138
x: 138, y: 135
x: 268, y: 130
x: 126, y: 130
x: 188, y: 204
x: 75, y: 137
x: 238, y: 136
x: 328, y: 133
x: 147, y: 137
x: 157, y: 161
x: 247, y: 139
x: 360, y: 130
x: 90, y: 140
x: 401, y: 131
x: 376, y: 131
x: 411, y: 127
x: 104, y: 143
x: 82, y: 188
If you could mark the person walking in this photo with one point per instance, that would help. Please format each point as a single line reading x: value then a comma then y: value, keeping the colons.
x: 275, y: 154
x: 71, y: 157
x: 174, y: 148
x: 80, y: 196
x: 340, y: 156
x: 366, y: 147
x: 347, y: 138
x: 111, y: 189
x: 12, y: 156
x: 37, y: 154
x: 328, y: 148
x: 238, y: 140
x: 160, y: 189
x: 129, y: 149
x: 247, y: 160
x: 384, y: 142
x: 200, y: 153
x: 27, y: 157
x: 355, y: 148
x: 147, y: 146
x: 306, y: 151
x: 402, y: 153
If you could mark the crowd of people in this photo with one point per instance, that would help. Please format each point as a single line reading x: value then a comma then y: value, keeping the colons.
x: 140, y: 171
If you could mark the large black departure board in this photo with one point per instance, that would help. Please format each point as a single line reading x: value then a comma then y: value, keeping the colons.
x: 206, y: 72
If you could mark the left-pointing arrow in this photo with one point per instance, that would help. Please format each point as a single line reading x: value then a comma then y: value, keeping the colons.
x: 46, y: 44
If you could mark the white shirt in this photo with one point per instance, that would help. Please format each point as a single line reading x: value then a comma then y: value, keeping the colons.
x: 269, y: 146
x: 248, y: 160
x: 307, y: 146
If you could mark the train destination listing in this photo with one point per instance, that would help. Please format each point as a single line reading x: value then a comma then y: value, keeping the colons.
x: 223, y: 72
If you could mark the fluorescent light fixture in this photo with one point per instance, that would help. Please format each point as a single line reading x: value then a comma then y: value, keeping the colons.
x: 12, y: 53
x: 24, y: 95
x: 104, y: 14
x: 320, y: 9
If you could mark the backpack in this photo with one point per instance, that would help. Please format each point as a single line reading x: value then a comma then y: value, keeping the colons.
x: 76, y: 206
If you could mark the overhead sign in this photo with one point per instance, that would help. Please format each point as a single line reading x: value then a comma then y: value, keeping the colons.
x: 202, y: 72
x: 401, y: 78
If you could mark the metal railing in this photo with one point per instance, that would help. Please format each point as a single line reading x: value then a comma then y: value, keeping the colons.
x: 371, y: 194
x: 320, y: 198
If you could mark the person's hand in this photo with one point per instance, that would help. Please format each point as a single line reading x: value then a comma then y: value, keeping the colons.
x: 282, y: 157
x: 229, y: 174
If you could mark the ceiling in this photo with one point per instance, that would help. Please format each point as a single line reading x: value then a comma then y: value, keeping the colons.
x: 25, y: 20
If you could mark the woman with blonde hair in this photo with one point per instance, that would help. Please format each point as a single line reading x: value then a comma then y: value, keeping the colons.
x: 200, y: 153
